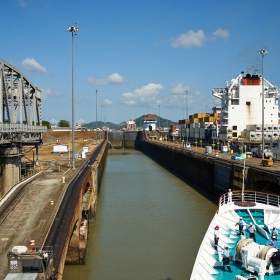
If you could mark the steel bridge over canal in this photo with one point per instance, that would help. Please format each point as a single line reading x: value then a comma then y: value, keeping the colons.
x: 20, y: 122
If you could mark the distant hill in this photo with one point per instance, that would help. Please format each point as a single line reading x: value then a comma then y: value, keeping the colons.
x: 139, y: 122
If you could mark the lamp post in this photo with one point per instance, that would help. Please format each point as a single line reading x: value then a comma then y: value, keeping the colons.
x: 187, y: 129
x: 243, y: 175
x: 96, y: 115
x: 101, y: 117
x: 159, y: 116
x: 73, y: 30
x: 103, y: 111
x: 263, y: 52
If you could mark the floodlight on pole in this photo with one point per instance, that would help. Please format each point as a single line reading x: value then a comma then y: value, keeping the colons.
x: 96, y: 115
x: 73, y: 30
x: 102, y: 124
x: 263, y: 52
x: 159, y: 116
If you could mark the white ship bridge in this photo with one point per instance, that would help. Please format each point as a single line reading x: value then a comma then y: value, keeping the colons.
x: 241, y: 107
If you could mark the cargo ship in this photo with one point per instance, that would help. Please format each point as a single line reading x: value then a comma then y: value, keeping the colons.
x: 238, y: 119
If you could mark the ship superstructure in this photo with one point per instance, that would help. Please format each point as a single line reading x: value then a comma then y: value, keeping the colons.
x: 130, y: 125
x: 252, y: 257
x: 241, y: 109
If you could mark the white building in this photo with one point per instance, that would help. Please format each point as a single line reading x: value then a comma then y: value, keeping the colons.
x: 77, y: 127
x: 241, y: 112
x: 60, y: 148
x: 149, y: 122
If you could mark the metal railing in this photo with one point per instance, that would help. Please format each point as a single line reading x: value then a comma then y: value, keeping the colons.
x: 15, y: 127
x: 250, y: 196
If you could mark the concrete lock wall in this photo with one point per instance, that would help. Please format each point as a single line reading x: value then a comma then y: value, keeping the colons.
x: 124, y: 139
x: 212, y: 175
x: 77, y: 247
x: 183, y: 163
x: 130, y: 138
x: 116, y: 139
x: 222, y: 178
x: 9, y: 169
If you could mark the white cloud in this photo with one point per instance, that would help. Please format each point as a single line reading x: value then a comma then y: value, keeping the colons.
x: 49, y: 92
x: 53, y: 121
x: 179, y: 89
x: 224, y: 34
x: 33, y: 66
x: 108, y: 102
x: 115, y: 78
x: 190, y: 39
x: 143, y: 95
x: 22, y: 3
x: 177, y: 99
x: 197, y: 39
x: 81, y: 121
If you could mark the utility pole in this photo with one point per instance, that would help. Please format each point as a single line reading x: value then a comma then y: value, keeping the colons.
x: 159, y: 116
x: 73, y: 30
x: 96, y: 115
x: 263, y: 52
x: 187, y: 130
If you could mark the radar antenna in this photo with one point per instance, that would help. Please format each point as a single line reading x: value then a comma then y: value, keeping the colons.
x: 249, y: 69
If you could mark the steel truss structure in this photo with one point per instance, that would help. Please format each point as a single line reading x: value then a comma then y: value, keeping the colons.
x: 20, y: 109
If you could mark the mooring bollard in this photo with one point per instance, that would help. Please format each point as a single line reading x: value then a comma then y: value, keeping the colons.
x: 63, y: 179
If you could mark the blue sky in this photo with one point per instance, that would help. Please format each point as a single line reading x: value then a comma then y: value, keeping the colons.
x: 141, y: 56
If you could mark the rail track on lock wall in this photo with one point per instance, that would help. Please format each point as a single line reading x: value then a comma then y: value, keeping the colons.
x: 61, y: 225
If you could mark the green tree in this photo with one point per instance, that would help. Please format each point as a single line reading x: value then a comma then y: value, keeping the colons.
x: 47, y: 124
x: 63, y: 123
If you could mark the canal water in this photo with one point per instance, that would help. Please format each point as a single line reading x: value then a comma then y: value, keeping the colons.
x: 149, y: 223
